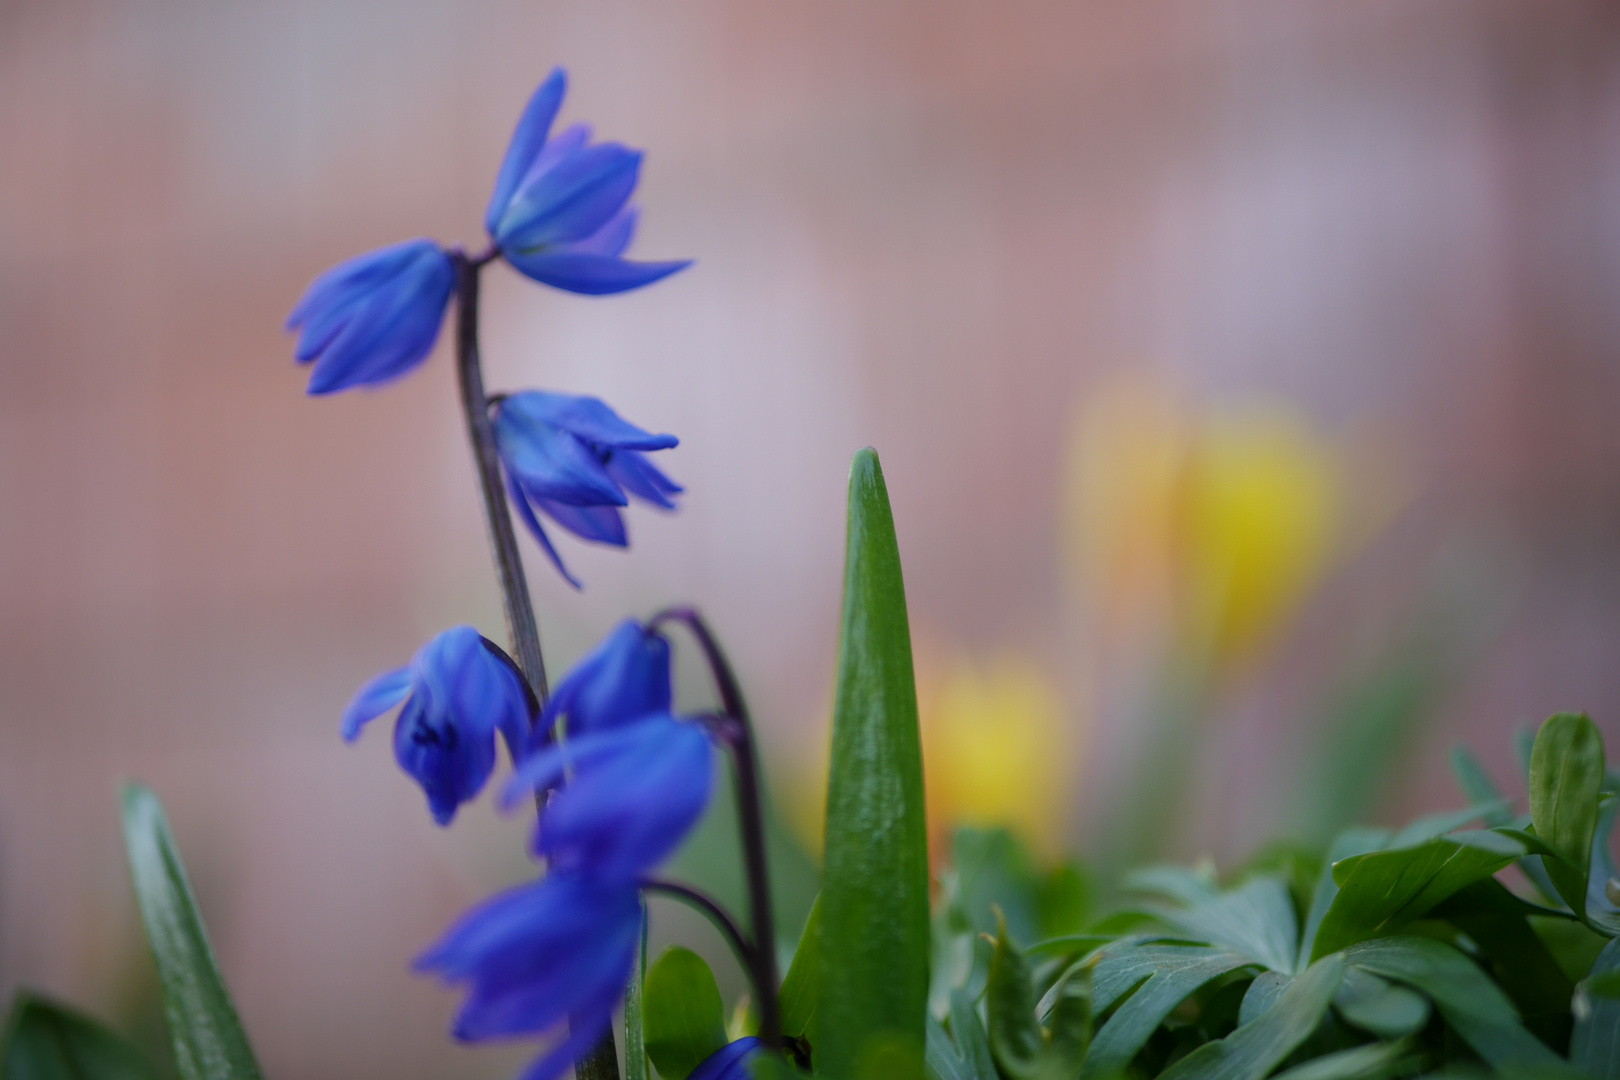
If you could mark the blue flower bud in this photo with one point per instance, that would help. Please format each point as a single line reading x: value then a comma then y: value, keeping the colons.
x: 560, y: 210
x: 730, y: 1062
x: 458, y: 691
x: 625, y: 678
x: 633, y: 794
x: 573, y: 459
x: 538, y: 955
x: 373, y: 318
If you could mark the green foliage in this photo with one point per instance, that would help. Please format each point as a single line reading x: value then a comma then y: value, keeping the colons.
x: 209, y: 1043
x: 874, y: 934
x: 635, y: 1029
x: 47, y: 1041
x: 801, y: 986
x: 683, y: 1018
x: 1566, y: 773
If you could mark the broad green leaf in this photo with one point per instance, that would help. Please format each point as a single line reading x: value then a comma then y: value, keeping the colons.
x: 1474, y: 1006
x: 874, y: 940
x: 1566, y: 773
x: 1370, y: 1062
x: 1255, y: 919
x: 1384, y: 890
x: 1594, y: 1045
x: 1179, y: 976
x: 635, y: 1036
x: 798, y: 996
x: 1262, y: 994
x: 1495, y: 920
x: 1380, y: 1007
x: 47, y: 1041
x: 1256, y: 1048
x: 1016, y: 1041
x: 683, y: 1018
x: 1346, y: 844
x: 209, y: 1043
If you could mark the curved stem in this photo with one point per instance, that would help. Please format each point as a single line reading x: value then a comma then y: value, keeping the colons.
x: 710, y: 909
x: 521, y: 626
x: 739, y: 739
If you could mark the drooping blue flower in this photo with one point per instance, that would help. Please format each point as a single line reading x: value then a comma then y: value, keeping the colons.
x: 373, y: 318
x: 531, y: 958
x: 560, y: 210
x: 459, y: 690
x: 573, y: 459
x: 730, y: 1062
x: 633, y: 794
x: 625, y: 678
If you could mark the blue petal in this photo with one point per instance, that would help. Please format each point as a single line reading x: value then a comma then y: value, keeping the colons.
x: 390, y: 331
x: 598, y: 524
x: 544, y: 768
x: 585, y: 1028
x: 449, y: 759
x: 591, y: 275
x: 588, y: 417
x: 527, y: 141
x: 730, y: 1062
x: 353, y: 278
x: 623, y: 679
x: 570, y: 200
x: 551, y: 462
x: 516, y: 497
x: 611, y: 239
x: 375, y: 698
x: 633, y: 472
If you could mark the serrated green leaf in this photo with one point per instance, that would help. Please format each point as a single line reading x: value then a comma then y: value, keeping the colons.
x: 874, y: 939
x: 800, y: 986
x: 1594, y: 1045
x: 47, y: 1041
x: 683, y: 1018
x: 635, y: 1034
x: 1177, y: 976
x: 209, y: 1043
x: 1474, y: 1006
x: 1380, y: 1007
x: 1382, y: 891
x: 1016, y: 1041
x: 1566, y: 774
x: 1256, y: 1048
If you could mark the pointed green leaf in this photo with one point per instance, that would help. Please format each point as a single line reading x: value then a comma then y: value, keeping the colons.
x: 800, y: 990
x: 635, y: 1034
x: 1261, y: 995
x: 1069, y: 1036
x: 1255, y: 919
x: 1494, y: 920
x: 1016, y: 1041
x: 1373, y: 1061
x: 47, y: 1041
x: 1349, y: 843
x: 874, y: 940
x: 1256, y: 1048
x: 683, y: 1019
x: 970, y: 1037
x: 1595, y: 1042
x: 1566, y: 773
x: 209, y: 1043
x: 1177, y: 977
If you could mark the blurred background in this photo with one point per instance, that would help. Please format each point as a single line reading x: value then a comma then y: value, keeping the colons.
x: 1245, y: 376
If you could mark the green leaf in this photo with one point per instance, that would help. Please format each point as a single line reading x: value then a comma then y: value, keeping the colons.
x: 635, y: 1035
x: 1476, y: 783
x: 1262, y: 994
x: 994, y: 872
x: 1495, y: 920
x: 1255, y: 919
x: 209, y: 1043
x: 1382, y: 891
x: 1256, y: 1048
x: 47, y: 1041
x: 1595, y: 1043
x: 1016, y: 1041
x: 1370, y: 1062
x: 941, y: 1055
x: 1380, y: 1007
x: 1069, y: 1035
x: 1566, y: 773
x: 798, y: 996
x: 1346, y: 844
x: 971, y: 1038
x: 874, y: 940
x: 1065, y: 900
x: 1178, y: 973
x: 1475, y: 1007
x: 683, y: 1017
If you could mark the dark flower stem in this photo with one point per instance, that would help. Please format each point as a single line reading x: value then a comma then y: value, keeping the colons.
x: 710, y: 909
x: 739, y: 739
x: 601, y: 1062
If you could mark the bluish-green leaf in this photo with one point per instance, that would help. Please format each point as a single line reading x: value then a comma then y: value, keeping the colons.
x: 635, y: 1033
x: 1255, y: 919
x: 1347, y: 844
x: 1566, y: 773
x: 800, y: 990
x: 1254, y: 1049
x: 1495, y: 921
x: 209, y: 1043
x: 1373, y: 1061
x: 1178, y: 976
x: 683, y: 1018
x: 1595, y: 1043
x: 1261, y: 995
x: 47, y: 1041
x: 971, y: 1039
x: 1380, y: 1007
x: 1474, y: 1006
x: 874, y: 940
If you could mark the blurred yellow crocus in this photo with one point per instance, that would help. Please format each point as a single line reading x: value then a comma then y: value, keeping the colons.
x: 1218, y: 522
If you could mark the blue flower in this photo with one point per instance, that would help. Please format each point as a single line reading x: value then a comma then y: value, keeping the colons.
x: 730, y: 1062
x: 634, y: 794
x: 625, y: 678
x: 574, y: 459
x: 560, y: 210
x: 556, y: 950
x: 373, y: 318
x: 459, y: 690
